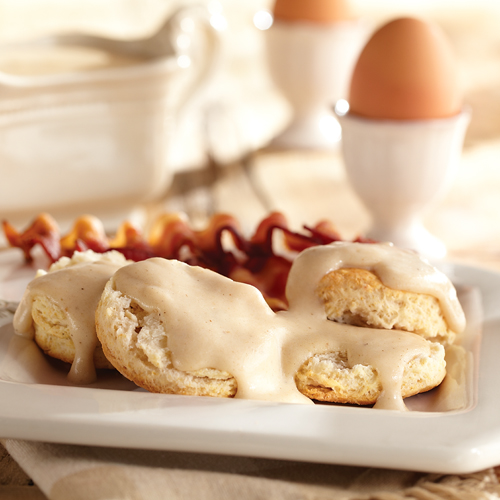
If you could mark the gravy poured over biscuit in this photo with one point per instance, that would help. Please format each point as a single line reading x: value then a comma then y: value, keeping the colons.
x: 76, y: 291
x: 211, y: 321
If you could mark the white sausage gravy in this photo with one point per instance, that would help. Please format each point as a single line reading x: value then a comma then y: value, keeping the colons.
x: 75, y: 287
x: 213, y: 322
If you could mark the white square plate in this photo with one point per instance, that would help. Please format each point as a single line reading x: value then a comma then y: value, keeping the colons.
x: 37, y: 403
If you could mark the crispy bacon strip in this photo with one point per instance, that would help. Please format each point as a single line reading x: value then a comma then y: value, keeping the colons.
x: 253, y: 260
x: 169, y: 234
x: 87, y: 233
x: 43, y: 231
x: 130, y: 241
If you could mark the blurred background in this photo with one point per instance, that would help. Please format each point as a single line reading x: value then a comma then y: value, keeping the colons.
x: 472, y: 26
x: 239, y: 110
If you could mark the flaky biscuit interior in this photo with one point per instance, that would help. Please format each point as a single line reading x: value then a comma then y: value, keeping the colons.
x: 358, y: 297
x: 136, y: 344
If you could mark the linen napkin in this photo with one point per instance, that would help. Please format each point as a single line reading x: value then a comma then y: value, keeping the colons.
x: 65, y: 472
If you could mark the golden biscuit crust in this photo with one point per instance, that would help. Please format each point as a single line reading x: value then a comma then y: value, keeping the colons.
x: 329, y: 378
x: 358, y: 297
x: 52, y: 324
x: 52, y: 333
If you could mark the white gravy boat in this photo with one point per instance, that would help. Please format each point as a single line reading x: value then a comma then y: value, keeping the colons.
x: 98, y: 140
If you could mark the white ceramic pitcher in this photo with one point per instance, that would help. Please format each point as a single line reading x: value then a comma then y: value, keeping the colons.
x: 98, y: 140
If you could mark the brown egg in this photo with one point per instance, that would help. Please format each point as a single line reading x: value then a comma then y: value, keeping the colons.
x: 406, y: 71
x: 316, y: 11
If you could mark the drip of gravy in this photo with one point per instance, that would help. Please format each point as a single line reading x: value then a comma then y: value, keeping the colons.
x: 76, y: 290
x: 211, y: 321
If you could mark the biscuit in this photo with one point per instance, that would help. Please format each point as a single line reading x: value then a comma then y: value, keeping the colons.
x: 358, y: 297
x: 49, y: 323
x: 136, y: 344
x: 52, y: 333
x: 328, y: 378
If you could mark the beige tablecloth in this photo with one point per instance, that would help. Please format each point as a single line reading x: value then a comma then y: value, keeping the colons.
x: 66, y: 472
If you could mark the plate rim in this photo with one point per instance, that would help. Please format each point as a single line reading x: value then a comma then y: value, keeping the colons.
x: 461, y: 441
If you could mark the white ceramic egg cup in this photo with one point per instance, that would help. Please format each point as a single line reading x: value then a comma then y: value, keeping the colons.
x: 311, y: 65
x: 399, y: 169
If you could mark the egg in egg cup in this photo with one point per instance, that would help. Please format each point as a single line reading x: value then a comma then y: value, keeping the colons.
x: 403, y: 134
x: 311, y: 50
